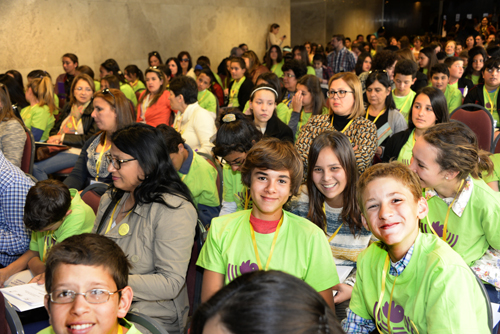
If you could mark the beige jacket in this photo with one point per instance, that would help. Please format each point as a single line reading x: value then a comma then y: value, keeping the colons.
x: 158, y: 243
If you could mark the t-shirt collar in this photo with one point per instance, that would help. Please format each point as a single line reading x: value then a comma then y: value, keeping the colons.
x: 462, y: 200
x: 187, y: 163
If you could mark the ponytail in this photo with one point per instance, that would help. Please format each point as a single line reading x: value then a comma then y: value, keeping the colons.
x: 44, y: 92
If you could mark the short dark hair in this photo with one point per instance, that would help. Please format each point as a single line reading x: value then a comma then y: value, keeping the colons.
x: 406, y: 67
x: 185, y: 86
x: 261, y: 302
x: 319, y: 57
x: 203, y: 60
x: 441, y: 55
x: 339, y: 37
x: 491, y: 63
x: 88, y: 249
x: 71, y: 56
x: 298, y: 68
x: 272, y: 153
x: 46, y: 203
x: 451, y: 60
x: 84, y: 69
x: 384, y: 59
x: 440, y: 68
x: 172, y: 137
x: 112, y: 80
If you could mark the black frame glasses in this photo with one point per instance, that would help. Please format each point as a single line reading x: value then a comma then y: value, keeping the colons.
x: 94, y: 296
x: 340, y: 94
x: 117, y: 163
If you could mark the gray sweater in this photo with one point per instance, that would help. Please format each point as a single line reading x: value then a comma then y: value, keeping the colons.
x: 12, y: 140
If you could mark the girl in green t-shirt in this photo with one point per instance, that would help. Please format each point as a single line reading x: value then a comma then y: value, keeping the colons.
x: 477, y: 57
x: 240, y: 88
x: 235, y: 137
x: 274, y: 60
x: 38, y: 116
x: 135, y: 78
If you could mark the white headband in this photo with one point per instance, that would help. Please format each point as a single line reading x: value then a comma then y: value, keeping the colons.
x: 265, y: 87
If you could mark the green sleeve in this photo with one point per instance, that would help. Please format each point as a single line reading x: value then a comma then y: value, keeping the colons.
x: 26, y: 116
x: 310, y: 70
x: 227, y: 191
x: 211, y: 105
x: 97, y: 85
x: 129, y: 93
x: 40, y: 118
x: 357, y: 303
x: 283, y: 113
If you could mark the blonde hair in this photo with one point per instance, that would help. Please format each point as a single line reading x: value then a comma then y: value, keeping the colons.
x: 42, y: 89
x: 353, y: 82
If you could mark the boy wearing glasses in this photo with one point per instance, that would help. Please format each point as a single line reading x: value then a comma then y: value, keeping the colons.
x: 53, y: 213
x: 87, y: 287
x: 487, y: 94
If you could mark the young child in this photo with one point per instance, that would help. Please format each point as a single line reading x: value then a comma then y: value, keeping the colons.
x: 195, y: 172
x: 456, y: 68
x: 235, y: 137
x: 414, y: 279
x: 405, y: 75
x: 96, y: 268
x: 266, y: 237
x: 53, y: 213
x: 329, y: 201
x: 440, y: 76
x: 323, y: 73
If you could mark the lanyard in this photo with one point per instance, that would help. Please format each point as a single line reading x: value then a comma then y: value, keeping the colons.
x: 120, y: 329
x: 254, y: 241
x: 376, y: 118
x: 47, y: 243
x: 345, y: 126
x: 247, y: 198
x: 495, y: 96
x: 447, y: 215
x: 112, y: 215
x: 75, y: 124
x: 404, y: 104
x: 377, y: 311
x: 334, y: 233
x: 99, y: 160
x: 203, y: 96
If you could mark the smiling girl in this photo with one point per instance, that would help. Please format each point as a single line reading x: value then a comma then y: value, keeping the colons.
x: 154, y: 104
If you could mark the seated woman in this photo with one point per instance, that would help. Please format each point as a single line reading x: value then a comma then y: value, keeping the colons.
x: 274, y: 60
x: 154, y: 59
x: 253, y: 65
x: 112, y: 111
x: 148, y: 211
x: 39, y: 116
x: 329, y: 201
x: 175, y: 67
x: 293, y: 70
x: 428, y: 108
x: 267, y: 301
x: 154, y: 105
x: 240, y: 88
x: 195, y: 124
x: 206, y: 97
x: 381, y: 108
x: 426, y: 60
x: 12, y: 134
x: 347, y: 116
x: 76, y: 126
x: 65, y: 80
x: 110, y: 66
x: 186, y: 64
x: 135, y: 78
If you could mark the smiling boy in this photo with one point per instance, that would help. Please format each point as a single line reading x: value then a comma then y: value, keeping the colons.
x: 87, y: 291
x: 416, y: 280
x: 266, y: 237
x: 440, y: 77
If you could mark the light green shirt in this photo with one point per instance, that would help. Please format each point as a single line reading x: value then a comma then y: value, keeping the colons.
x: 39, y: 118
x: 453, y: 98
x: 207, y: 100
x: 406, y: 152
x: 403, y: 103
x: 129, y: 93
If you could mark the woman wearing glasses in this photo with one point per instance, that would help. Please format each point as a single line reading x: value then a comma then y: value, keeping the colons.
x: 74, y: 128
x: 154, y: 105
x: 148, y: 211
x: 112, y: 111
x: 347, y: 115
x: 186, y: 64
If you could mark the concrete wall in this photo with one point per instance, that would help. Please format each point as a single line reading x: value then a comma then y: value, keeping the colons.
x: 317, y: 20
x: 36, y: 33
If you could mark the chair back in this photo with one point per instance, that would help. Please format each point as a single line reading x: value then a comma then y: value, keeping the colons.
x: 147, y: 322
x: 194, y: 276
x: 495, y: 149
x: 92, y: 195
x: 479, y: 120
x: 13, y: 321
x: 28, y: 153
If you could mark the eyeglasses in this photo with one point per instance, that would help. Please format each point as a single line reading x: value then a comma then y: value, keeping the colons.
x: 117, y: 164
x: 94, y: 296
x: 107, y: 91
x: 236, y: 163
x: 340, y: 94
x: 185, y: 60
x: 289, y: 75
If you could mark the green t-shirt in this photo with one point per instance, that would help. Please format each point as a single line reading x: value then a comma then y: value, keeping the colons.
x: 97, y: 85
x: 138, y: 87
x: 454, y: 85
x: 129, y: 93
x: 475, y: 79
x: 80, y: 220
x: 207, y: 101
x: 403, y: 103
x: 276, y: 69
x: 453, y: 98
x: 436, y: 292
x: 495, y: 176
x: 130, y: 326
x: 56, y: 102
x: 301, y: 250
x: 489, y: 99
x: 204, y: 192
x: 477, y: 229
x: 406, y: 152
x: 39, y: 118
x: 233, y: 190
x: 233, y: 94
x: 282, y: 111
x: 311, y: 70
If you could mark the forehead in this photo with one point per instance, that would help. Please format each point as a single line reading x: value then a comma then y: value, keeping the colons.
x: 272, y: 172
x: 399, y: 76
x: 80, y: 275
x: 265, y: 94
x: 422, y: 99
x: 82, y: 83
x: 384, y: 186
x: 339, y: 84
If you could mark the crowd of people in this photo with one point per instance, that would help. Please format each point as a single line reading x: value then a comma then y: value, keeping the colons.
x: 296, y: 162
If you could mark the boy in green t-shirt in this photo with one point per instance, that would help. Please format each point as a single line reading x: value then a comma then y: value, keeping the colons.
x: 414, y: 279
x: 266, y: 237
x: 195, y: 172
x: 405, y: 75
x: 87, y: 287
x: 53, y: 213
x: 440, y: 77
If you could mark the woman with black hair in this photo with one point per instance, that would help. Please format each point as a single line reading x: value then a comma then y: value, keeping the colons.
x: 16, y: 93
x: 186, y: 64
x: 135, y: 78
x: 110, y: 66
x: 175, y: 67
x: 154, y: 59
x: 148, y: 211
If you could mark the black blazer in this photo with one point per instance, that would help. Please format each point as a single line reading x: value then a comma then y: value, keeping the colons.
x: 244, y: 93
x: 277, y: 129
x: 394, y: 145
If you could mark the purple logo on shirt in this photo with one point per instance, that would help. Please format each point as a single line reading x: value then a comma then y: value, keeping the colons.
x: 451, y: 238
x: 400, y: 324
x: 245, y: 267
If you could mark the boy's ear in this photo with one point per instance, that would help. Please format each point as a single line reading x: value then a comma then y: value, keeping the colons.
x: 125, y: 301
x: 422, y: 208
x: 365, y: 223
x: 46, y: 303
x: 413, y: 82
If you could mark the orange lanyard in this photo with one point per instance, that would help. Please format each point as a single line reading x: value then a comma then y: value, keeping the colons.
x: 254, y: 241
x: 447, y: 215
x: 376, y: 118
x: 334, y: 233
